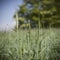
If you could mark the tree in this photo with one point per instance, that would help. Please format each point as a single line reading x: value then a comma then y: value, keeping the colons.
x: 44, y: 11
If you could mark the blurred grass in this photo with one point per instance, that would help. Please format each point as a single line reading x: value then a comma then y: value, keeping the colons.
x: 19, y: 46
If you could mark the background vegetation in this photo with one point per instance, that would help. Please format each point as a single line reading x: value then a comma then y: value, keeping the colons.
x: 46, y: 12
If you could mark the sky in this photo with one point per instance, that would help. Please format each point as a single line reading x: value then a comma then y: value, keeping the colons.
x: 7, y: 10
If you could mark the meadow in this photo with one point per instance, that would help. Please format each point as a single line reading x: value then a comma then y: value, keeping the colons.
x: 30, y: 45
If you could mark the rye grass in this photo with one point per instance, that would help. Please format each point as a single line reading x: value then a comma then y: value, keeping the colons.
x: 20, y: 46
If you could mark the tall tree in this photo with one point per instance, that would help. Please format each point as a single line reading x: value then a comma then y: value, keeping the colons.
x: 44, y: 11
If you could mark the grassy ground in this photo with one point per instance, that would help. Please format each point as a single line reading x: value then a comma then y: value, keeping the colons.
x: 33, y: 45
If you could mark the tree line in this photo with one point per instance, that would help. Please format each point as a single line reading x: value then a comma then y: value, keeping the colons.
x: 43, y: 13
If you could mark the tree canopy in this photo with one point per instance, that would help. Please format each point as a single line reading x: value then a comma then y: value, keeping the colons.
x: 47, y: 12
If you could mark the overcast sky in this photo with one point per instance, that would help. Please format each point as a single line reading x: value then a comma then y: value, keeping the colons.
x: 7, y: 10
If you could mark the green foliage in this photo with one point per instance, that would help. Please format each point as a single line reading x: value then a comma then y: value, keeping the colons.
x: 26, y: 45
x: 41, y: 10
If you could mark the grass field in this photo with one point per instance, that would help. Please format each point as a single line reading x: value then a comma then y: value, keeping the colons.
x: 33, y: 45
